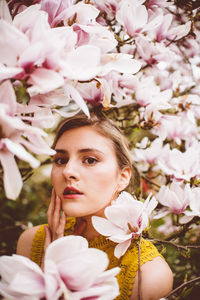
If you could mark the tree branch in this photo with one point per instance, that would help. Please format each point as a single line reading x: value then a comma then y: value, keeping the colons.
x: 182, y: 285
x: 186, y: 247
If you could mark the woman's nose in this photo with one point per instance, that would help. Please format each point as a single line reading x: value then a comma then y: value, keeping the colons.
x: 71, y: 171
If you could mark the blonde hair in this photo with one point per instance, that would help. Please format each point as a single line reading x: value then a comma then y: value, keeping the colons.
x: 108, y: 129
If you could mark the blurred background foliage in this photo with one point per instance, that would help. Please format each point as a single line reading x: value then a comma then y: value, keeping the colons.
x: 31, y: 206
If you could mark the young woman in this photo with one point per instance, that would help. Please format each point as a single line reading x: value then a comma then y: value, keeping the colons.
x: 92, y: 165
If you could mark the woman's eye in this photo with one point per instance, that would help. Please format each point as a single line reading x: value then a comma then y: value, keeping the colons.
x: 60, y: 161
x: 90, y: 160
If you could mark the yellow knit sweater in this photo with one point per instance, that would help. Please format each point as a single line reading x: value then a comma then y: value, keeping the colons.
x: 128, y: 262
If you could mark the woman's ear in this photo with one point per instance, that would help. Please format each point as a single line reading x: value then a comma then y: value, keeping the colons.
x: 125, y: 176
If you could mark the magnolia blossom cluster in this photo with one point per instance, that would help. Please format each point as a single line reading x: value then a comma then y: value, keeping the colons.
x: 71, y: 272
x: 59, y: 57
x: 125, y: 220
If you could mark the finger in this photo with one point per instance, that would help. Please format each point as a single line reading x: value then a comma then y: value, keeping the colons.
x: 51, y: 208
x: 61, y: 228
x: 80, y: 228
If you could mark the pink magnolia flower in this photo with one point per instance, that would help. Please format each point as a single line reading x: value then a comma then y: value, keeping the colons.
x: 110, y: 7
x: 31, y: 55
x: 164, y: 31
x: 57, y: 10
x: 83, y: 63
x: 84, y: 14
x: 194, y: 206
x: 180, y: 165
x: 152, y: 52
x: 153, y: 4
x: 126, y: 219
x: 133, y: 15
x: 150, y: 154
x: 176, y: 197
x: 71, y: 271
x: 120, y: 62
x: 91, y: 92
x: 176, y: 127
x: 96, y: 35
x: 15, y: 136
x: 21, y: 278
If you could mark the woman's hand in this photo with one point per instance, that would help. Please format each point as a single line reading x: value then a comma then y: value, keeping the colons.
x: 56, y: 223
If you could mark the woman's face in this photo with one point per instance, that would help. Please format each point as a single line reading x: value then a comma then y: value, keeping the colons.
x: 85, y: 173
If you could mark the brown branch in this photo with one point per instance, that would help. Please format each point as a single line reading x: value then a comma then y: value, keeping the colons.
x: 149, y: 180
x: 185, y: 228
x: 182, y: 285
x: 186, y: 247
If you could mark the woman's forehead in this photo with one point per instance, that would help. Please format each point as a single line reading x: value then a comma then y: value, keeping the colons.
x: 85, y: 137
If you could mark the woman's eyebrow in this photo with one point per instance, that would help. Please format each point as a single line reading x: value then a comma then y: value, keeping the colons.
x: 60, y: 151
x: 83, y: 150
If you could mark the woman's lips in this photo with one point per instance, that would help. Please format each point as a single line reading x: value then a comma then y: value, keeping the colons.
x: 71, y: 193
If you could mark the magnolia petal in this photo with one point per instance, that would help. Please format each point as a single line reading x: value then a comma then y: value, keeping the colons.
x: 120, y: 62
x: 28, y: 283
x: 21, y: 153
x: 150, y: 204
x: 105, y: 287
x: 118, y: 215
x: 21, y: 263
x: 6, y: 292
x: 11, y: 175
x: 82, y: 63
x: 64, y: 248
x: 106, y: 92
x: 185, y: 219
x: 53, y: 282
x: 7, y: 96
x: 120, y: 249
x: 180, y: 31
x: 107, y: 274
x: 37, y: 144
x: 4, y: 11
x: 32, y: 56
x: 105, y: 227
x: 75, y: 95
x: 85, y: 275
x: 9, y: 36
x: 100, y: 292
x: 162, y: 214
x: 120, y: 238
x: 44, y: 81
x: 8, y: 72
x: 43, y: 118
x: 85, y: 13
x: 26, y: 279
x: 65, y: 114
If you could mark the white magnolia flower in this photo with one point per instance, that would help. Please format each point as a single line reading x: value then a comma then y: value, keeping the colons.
x: 176, y: 198
x: 71, y: 270
x: 126, y: 219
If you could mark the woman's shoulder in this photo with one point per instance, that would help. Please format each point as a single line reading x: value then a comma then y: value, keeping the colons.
x: 25, y: 241
x: 156, y: 275
x: 156, y: 280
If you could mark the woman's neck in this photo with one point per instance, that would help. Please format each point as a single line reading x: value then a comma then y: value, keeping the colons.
x: 85, y: 228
